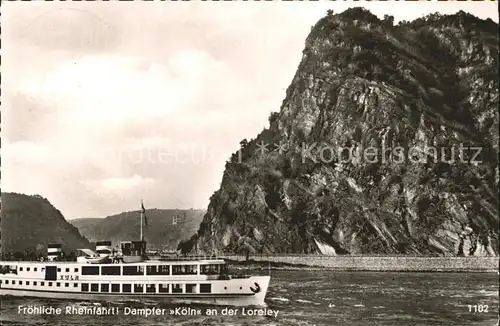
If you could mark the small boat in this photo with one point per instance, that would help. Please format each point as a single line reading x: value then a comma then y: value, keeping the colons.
x: 87, y: 256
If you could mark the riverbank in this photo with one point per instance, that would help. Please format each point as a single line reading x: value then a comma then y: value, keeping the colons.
x: 364, y: 263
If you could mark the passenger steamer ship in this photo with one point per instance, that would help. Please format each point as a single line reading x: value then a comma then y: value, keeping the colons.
x: 131, y: 275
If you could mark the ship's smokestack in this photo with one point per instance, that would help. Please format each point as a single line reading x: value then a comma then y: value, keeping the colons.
x: 54, y: 252
x: 103, y: 248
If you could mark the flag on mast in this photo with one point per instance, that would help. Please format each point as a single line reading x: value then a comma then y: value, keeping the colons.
x: 144, y: 214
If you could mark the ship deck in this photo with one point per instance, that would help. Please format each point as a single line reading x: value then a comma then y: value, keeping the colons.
x: 154, y: 261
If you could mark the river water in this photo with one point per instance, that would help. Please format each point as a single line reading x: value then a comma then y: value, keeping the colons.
x: 313, y: 298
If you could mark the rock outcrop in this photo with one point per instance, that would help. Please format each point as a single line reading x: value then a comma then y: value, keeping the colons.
x: 386, y: 143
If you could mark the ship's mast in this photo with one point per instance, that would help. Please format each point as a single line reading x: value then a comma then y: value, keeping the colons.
x: 142, y: 213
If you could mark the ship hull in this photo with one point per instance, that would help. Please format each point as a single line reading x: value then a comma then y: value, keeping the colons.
x: 246, y: 299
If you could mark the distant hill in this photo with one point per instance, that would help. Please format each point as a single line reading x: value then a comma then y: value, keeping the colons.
x: 85, y: 225
x: 29, y: 222
x: 160, y: 231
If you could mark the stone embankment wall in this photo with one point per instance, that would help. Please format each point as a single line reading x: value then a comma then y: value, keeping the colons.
x: 384, y: 263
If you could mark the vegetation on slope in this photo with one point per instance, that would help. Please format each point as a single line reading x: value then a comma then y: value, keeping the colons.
x: 30, y: 223
x: 423, y: 90
x: 161, y: 232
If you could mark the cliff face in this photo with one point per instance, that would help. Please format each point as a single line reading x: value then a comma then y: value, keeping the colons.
x: 374, y: 148
x: 30, y: 223
x: 160, y: 232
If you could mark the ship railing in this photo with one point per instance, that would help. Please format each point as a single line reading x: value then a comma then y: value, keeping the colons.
x: 189, y: 257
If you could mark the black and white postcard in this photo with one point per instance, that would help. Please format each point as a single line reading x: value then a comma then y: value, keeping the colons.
x: 249, y: 163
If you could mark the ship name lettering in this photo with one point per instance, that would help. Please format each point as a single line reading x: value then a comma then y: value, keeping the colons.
x: 68, y: 278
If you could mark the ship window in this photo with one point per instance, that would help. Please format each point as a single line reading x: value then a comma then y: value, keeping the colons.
x: 0, y: 282
x: 13, y: 282
x: 94, y: 287
x: 6, y: 281
x: 58, y: 269
x: 20, y: 282
x: 50, y: 283
x: 115, y: 287
x: 66, y: 285
x: 75, y: 285
x: 138, y: 288
x: 177, y: 288
x: 67, y: 269
x: 205, y: 288
x: 104, y: 287
x: 163, y: 288
x: 150, y: 288
x: 20, y: 269
x: 158, y: 270
x: 126, y: 288
x: 35, y: 283
x: 211, y: 269
x: 35, y: 269
x: 27, y: 282
x: 27, y: 269
x: 184, y: 270
x: 85, y: 287
x: 133, y: 270
x: 76, y: 269
x: 110, y: 270
x: 42, y: 283
x: 190, y: 288
x: 90, y: 270
x: 58, y: 284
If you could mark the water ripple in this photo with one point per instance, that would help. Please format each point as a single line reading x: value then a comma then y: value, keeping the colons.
x: 316, y: 298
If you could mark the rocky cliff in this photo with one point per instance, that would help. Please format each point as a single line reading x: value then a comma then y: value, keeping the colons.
x: 29, y: 223
x: 166, y: 227
x: 386, y: 142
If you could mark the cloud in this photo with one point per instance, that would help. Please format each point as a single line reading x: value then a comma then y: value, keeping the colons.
x: 119, y: 185
x: 110, y: 89
x: 24, y: 152
x: 61, y: 27
x: 26, y: 117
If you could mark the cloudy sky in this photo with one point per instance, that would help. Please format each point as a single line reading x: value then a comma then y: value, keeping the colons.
x: 104, y: 104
